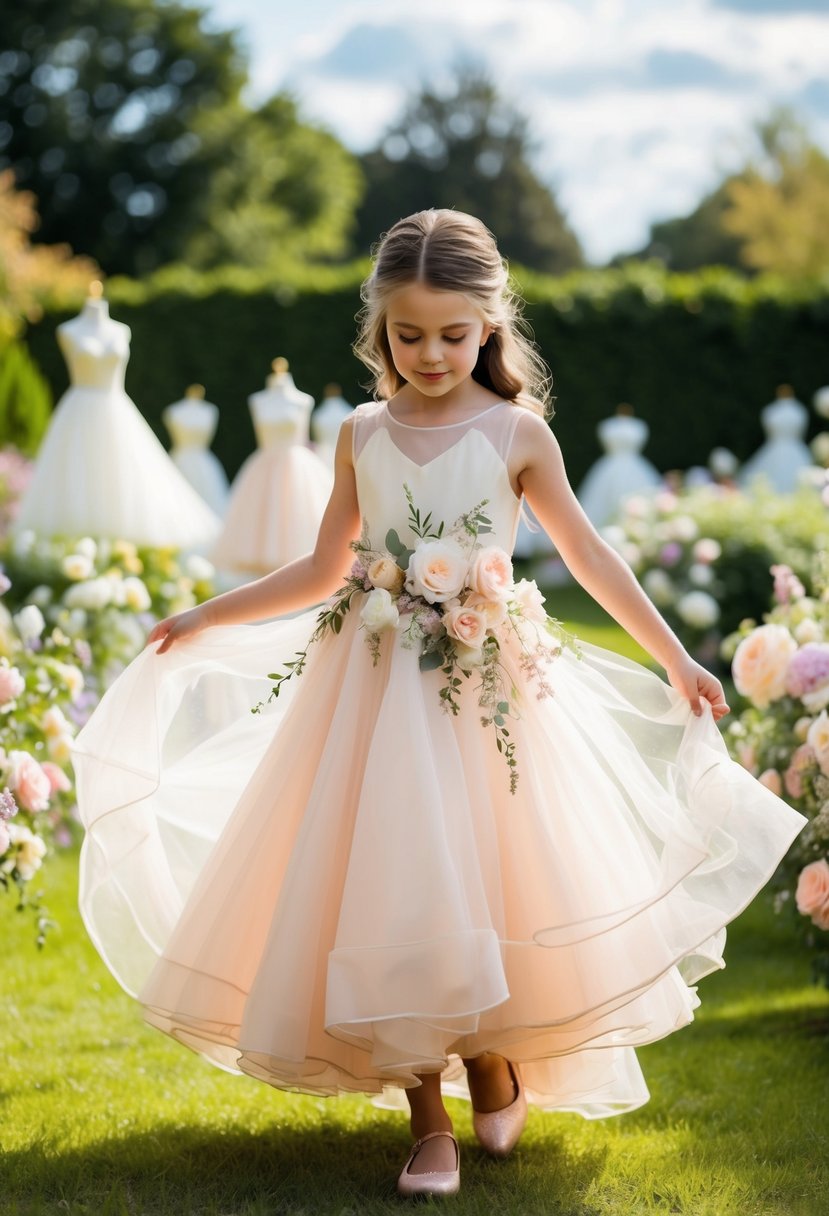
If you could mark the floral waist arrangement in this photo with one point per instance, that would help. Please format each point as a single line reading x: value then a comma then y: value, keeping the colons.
x: 453, y: 599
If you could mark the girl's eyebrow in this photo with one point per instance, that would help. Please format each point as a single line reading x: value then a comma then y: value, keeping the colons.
x: 451, y: 325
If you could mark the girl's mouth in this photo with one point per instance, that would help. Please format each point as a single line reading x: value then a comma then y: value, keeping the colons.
x: 432, y: 375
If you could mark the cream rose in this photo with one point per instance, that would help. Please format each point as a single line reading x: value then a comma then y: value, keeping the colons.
x: 386, y: 574
x: 491, y: 574
x: 437, y: 571
x: 760, y: 663
x: 466, y: 625
x: 29, y: 851
x: 495, y: 611
x: 379, y: 612
x: 812, y: 894
x: 468, y: 657
x: 817, y: 738
x: 530, y: 600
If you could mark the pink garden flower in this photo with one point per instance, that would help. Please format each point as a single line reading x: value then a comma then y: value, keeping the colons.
x: 812, y: 894
x: 12, y: 684
x: 28, y: 782
x: 787, y: 586
x: 58, y: 780
x: 803, y: 758
x: 808, y: 670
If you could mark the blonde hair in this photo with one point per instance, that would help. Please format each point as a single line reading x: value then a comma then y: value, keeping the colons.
x: 451, y: 251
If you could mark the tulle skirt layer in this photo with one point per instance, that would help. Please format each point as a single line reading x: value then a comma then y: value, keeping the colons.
x: 342, y: 892
x: 273, y: 515
x: 101, y: 471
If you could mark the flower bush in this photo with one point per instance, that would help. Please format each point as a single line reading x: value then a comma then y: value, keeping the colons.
x: 703, y: 555
x: 781, y: 667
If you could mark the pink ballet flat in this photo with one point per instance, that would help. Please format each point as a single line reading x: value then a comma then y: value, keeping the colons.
x: 436, y: 1182
x: 498, y: 1131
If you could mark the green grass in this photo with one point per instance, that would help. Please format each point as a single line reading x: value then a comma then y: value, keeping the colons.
x: 102, y: 1115
x: 583, y: 616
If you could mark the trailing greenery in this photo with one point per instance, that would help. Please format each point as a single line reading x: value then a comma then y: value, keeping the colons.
x: 103, y: 1115
x: 697, y: 355
x: 25, y: 399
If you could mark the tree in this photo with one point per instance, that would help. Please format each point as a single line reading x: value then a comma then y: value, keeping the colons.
x: 284, y: 191
x: 694, y: 240
x: 105, y: 112
x: 778, y: 207
x: 468, y: 149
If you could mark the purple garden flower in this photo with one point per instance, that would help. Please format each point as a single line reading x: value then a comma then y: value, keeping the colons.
x: 808, y: 669
x: 8, y: 806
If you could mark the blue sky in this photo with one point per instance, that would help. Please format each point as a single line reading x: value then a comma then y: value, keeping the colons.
x: 638, y: 106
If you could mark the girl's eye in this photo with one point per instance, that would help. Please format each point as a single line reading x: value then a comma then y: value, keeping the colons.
x: 411, y: 341
x: 454, y: 341
x: 407, y: 341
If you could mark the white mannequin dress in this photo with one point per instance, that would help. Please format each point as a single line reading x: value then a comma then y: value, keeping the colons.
x: 100, y: 470
x: 280, y: 493
x: 621, y: 472
x: 192, y: 425
x: 326, y: 421
x: 783, y: 457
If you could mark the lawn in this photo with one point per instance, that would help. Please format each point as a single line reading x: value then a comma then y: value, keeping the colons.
x: 105, y: 1117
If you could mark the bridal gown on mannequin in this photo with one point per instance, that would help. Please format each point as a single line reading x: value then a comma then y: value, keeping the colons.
x: 326, y: 421
x: 622, y: 471
x: 279, y: 494
x: 100, y: 470
x: 784, y: 456
x: 192, y: 423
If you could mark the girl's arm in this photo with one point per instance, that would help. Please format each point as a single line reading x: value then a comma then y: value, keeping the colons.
x: 301, y: 583
x: 537, y: 462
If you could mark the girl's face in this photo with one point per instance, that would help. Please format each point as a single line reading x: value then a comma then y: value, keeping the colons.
x: 435, y: 337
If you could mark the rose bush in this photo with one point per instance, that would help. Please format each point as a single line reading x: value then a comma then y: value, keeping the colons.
x: 782, y: 735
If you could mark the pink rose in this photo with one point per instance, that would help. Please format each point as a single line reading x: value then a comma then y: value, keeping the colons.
x: 28, y: 782
x: 437, y: 571
x: 770, y: 778
x: 58, y: 780
x: 802, y: 758
x: 12, y: 684
x: 760, y: 664
x: 466, y: 625
x: 491, y: 574
x: 812, y: 894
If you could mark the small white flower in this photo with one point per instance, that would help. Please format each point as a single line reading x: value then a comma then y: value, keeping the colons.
x: 87, y: 547
x: 29, y: 851
x: 199, y: 568
x: 807, y: 630
x: 41, y: 596
x: 707, y: 549
x: 30, y: 623
x: 379, y: 611
x: 77, y: 566
x: 698, y: 609
x: 701, y: 575
x: 92, y: 595
x: 683, y: 528
x: 468, y: 657
x: 54, y: 722
x: 72, y: 677
x: 659, y: 586
x: 136, y: 595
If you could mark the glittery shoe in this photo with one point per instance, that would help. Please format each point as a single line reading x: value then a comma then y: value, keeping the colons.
x: 435, y: 1182
x: 498, y: 1131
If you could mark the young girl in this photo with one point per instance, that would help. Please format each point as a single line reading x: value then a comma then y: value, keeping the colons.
x: 459, y: 852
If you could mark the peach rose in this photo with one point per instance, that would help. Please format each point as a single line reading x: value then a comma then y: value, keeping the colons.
x: 760, y: 664
x: 802, y: 758
x: 386, y: 574
x: 491, y: 574
x: 58, y: 780
x: 12, y: 684
x: 495, y: 611
x: 466, y: 625
x: 28, y: 782
x: 771, y: 779
x: 817, y: 738
x: 812, y: 894
x: 437, y: 571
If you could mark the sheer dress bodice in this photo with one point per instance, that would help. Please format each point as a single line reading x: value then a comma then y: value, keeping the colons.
x: 449, y: 469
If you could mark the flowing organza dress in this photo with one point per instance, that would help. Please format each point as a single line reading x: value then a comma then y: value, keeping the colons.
x: 342, y: 891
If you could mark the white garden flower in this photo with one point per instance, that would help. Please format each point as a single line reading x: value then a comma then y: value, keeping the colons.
x: 87, y: 547
x: 379, y: 611
x: 28, y: 854
x: 818, y: 739
x: 701, y: 575
x: 807, y: 631
x: 54, y: 722
x: 136, y: 595
x: 706, y: 549
x: 72, y: 677
x: 29, y: 622
x: 698, y: 609
x: 42, y: 596
x: 659, y: 586
x: 683, y: 528
x: 91, y: 595
x: 199, y: 568
x: 77, y: 566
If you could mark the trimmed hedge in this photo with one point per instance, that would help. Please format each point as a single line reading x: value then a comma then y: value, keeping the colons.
x: 696, y: 355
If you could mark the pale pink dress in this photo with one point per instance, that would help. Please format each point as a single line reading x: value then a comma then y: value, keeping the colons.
x: 342, y: 892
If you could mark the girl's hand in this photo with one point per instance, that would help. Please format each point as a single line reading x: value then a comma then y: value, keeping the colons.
x: 174, y: 628
x: 694, y: 682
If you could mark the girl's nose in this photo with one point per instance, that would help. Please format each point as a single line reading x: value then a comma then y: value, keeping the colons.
x: 431, y: 352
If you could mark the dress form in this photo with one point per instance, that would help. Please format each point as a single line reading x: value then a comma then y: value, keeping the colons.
x: 101, y: 470
x: 781, y: 460
x: 326, y: 421
x: 280, y: 493
x: 622, y: 471
x: 192, y: 424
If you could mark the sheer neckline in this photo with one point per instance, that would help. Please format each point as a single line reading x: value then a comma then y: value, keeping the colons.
x: 443, y: 426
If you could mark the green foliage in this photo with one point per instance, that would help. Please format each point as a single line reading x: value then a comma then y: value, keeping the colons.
x: 697, y: 355
x: 110, y: 105
x: 25, y: 399
x: 468, y: 149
